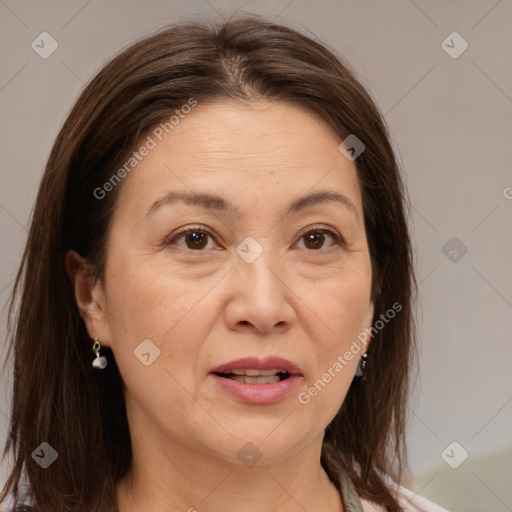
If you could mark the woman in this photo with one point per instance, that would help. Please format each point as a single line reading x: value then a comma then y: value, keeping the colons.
x: 215, y: 300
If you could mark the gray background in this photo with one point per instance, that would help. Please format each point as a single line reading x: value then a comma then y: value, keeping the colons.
x: 451, y: 120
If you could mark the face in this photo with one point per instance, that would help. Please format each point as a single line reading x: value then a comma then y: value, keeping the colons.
x: 257, y: 271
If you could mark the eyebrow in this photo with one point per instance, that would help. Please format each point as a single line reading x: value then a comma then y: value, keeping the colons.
x: 217, y: 203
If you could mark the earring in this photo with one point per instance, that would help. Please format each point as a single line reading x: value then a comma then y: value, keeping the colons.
x: 362, y: 365
x: 99, y: 362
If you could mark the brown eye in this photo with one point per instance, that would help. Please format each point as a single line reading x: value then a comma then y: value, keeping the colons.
x: 315, y: 239
x: 194, y: 239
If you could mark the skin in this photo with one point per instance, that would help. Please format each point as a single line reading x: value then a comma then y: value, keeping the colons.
x: 301, y: 300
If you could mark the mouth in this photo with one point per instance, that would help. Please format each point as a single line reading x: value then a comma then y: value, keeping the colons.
x: 255, y: 376
x: 258, y: 381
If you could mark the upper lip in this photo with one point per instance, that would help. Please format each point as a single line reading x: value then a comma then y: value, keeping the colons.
x: 256, y: 363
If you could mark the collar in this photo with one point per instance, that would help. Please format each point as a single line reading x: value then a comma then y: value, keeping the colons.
x: 349, y: 495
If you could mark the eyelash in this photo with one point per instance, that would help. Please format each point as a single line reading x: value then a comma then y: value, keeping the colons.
x: 176, y: 236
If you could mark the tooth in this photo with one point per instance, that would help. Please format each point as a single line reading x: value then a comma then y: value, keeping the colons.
x: 264, y: 373
x: 256, y: 380
x: 254, y: 373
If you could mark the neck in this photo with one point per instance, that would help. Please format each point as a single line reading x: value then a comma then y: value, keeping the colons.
x: 194, y: 481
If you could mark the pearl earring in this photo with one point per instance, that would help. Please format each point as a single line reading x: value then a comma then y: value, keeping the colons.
x: 99, y: 362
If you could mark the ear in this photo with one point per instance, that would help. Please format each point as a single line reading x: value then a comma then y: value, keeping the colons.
x: 89, y: 297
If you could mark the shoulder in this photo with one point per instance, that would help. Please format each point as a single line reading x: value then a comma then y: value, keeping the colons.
x: 24, y: 501
x: 410, y: 502
x: 5, y: 507
x: 20, y: 508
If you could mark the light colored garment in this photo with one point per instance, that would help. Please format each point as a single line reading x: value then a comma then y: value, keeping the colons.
x: 409, y: 501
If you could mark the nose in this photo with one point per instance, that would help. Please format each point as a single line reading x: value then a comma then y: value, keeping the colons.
x: 259, y: 297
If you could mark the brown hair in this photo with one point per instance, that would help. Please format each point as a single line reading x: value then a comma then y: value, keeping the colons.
x: 57, y: 397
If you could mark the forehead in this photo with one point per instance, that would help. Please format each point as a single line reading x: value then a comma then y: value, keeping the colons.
x: 243, y: 151
x: 262, y: 131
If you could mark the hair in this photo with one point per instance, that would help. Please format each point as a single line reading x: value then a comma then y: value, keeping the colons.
x: 57, y: 396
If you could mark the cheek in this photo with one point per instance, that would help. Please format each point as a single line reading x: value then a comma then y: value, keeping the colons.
x: 145, y: 302
x: 344, y: 301
x: 151, y: 297
x: 342, y: 312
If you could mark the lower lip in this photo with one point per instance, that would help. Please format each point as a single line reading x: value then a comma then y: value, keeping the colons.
x: 258, y: 393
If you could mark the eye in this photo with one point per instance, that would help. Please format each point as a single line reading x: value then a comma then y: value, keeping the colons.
x: 195, y: 239
x: 314, y: 239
